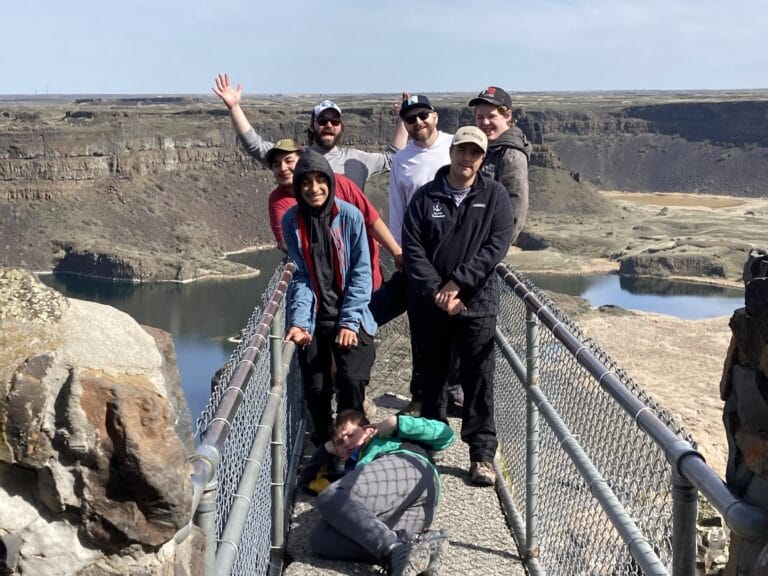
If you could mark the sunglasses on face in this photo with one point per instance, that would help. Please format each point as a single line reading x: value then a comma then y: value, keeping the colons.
x: 423, y: 115
x: 324, y: 121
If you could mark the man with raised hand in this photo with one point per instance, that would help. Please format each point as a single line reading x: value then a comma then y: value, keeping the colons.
x: 456, y: 229
x: 324, y: 133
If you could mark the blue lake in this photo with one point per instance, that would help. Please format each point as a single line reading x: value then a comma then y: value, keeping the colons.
x: 685, y: 300
x: 202, y: 315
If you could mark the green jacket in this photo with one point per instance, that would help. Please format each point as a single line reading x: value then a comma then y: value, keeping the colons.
x: 413, y: 436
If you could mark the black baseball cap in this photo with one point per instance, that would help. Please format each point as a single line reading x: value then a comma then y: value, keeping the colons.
x: 494, y: 96
x: 413, y: 102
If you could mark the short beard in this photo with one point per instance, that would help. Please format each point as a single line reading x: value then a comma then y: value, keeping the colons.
x: 317, y: 141
x: 423, y: 136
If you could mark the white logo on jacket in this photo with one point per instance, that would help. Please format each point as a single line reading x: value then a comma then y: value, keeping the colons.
x: 437, y: 210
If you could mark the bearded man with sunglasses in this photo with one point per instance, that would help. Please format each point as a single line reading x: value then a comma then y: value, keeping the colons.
x: 324, y: 134
x: 427, y: 150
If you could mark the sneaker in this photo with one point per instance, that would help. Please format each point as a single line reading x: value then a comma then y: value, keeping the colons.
x: 409, y: 558
x: 482, y: 474
x: 412, y: 409
x: 438, y: 541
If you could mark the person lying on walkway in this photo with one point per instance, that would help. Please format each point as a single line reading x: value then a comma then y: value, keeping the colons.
x: 324, y: 134
x: 282, y: 159
x: 327, y: 307
x: 378, y: 492
x: 456, y: 229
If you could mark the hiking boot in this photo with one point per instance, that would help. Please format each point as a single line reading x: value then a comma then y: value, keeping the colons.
x: 482, y: 474
x: 412, y: 409
x: 438, y: 542
x: 409, y: 558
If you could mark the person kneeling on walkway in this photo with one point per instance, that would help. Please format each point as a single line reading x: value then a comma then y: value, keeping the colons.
x: 378, y: 492
x: 328, y: 298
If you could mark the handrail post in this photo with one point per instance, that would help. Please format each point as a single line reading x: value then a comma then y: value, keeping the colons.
x: 277, y: 448
x: 684, y: 512
x: 532, y: 436
x: 205, y: 519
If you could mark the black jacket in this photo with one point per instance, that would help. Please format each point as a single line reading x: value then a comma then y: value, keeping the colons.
x: 442, y: 242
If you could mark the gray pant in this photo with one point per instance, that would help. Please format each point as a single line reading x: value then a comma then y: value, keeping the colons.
x: 363, y: 511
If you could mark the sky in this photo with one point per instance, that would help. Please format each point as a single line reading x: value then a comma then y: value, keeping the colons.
x: 390, y: 46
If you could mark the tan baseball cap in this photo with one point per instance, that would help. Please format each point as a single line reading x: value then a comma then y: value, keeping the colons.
x: 470, y: 135
x: 284, y: 145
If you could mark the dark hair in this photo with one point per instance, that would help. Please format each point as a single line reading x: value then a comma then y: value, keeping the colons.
x: 349, y: 416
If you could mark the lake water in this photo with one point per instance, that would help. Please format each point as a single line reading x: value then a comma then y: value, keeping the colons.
x: 685, y: 300
x: 202, y: 315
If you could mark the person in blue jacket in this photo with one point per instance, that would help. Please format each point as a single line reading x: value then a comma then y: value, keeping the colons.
x: 378, y: 492
x: 327, y: 306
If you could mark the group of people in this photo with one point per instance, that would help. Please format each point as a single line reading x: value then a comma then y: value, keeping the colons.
x: 456, y: 203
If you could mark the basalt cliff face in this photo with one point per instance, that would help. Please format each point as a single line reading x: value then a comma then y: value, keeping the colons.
x: 157, y: 188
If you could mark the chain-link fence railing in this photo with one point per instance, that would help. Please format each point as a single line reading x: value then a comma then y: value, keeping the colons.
x: 254, y: 418
x: 606, y: 479
x: 574, y: 533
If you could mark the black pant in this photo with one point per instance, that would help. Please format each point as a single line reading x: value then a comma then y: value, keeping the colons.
x: 436, y: 333
x: 389, y: 302
x: 353, y: 372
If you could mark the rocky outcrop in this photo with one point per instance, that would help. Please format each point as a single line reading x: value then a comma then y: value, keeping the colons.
x: 672, y: 265
x: 94, y: 440
x: 744, y: 389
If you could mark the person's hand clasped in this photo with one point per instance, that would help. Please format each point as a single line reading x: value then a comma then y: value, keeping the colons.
x: 298, y: 336
x: 346, y: 338
x: 399, y: 262
x: 447, y: 299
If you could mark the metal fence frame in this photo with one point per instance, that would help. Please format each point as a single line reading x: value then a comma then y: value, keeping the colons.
x: 687, y: 470
x: 251, y: 431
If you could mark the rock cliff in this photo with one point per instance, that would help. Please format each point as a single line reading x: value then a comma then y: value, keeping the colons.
x: 94, y: 439
x: 157, y: 188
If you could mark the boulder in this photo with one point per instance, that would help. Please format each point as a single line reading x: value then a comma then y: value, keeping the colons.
x: 94, y: 439
x: 744, y: 389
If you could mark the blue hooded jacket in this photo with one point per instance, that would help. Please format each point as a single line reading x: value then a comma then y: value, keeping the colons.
x: 351, y: 257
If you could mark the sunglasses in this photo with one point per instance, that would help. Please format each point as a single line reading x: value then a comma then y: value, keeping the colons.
x: 421, y: 116
x: 324, y: 121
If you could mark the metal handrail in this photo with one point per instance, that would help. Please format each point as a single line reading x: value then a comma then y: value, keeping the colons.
x: 741, y: 517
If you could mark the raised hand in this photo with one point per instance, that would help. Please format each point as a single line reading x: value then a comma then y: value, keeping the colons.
x: 224, y: 90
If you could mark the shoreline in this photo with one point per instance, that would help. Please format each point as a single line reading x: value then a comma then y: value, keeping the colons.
x: 225, y: 256
x: 560, y: 264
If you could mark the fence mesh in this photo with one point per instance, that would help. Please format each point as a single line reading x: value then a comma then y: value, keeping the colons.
x: 575, y: 535
x: 254, y: 549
